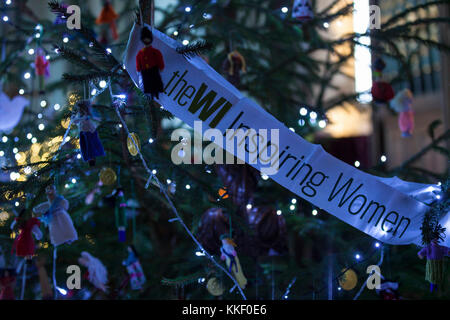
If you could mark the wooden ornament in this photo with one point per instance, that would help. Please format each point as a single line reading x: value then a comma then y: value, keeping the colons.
x: 107, y: 176
x: 132, y: 145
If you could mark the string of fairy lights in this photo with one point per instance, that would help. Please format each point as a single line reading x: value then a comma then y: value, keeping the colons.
x: 307, y: 114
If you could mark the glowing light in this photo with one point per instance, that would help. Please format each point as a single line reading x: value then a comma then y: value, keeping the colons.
x: 2, y: 153
x: 17, y: 203
x: 188, y: 187
x: 5, y: 139
x: 303, y: 111
x: 108, y: 50
x: 175, y: 33
x: 357, y: 163
x: 102, y: 84
x: 383, y: 158
x: 185, y: 42
x: 21, y: 91
x: 279, y: 212
x: 66, y: 186
x: 154, y: 171
x: 93, y: 92
x: 169, y: 181
x: 17, y: 156
x: 326, y: 25
x: 57, y: 106
x: 5, y: 18
x: 377, y: 244
x: 15, y: 150
x: 150, y: 140
x: 357, y: 257
x: 8, y: 2
x: 313, y: 115
x: 315, y: 212
x: 74, y: 180
x: 65, y: 39
x: 29, y: 136
x: 284, y: 9
x: 187, y: 9
x: 322, y: 124
x: 62, y: 291
x: 199, y: 253
x: 438, y: 197
x: 264, y: 177
x: 363, y: 57
x: 294, y: 201
x: 41, y: 126
x: 34, y: 140
x: 78, y: 156
x: 292, y: 129
x: 31, y: 52
x: 249, y: 206
x: 43, y: 103
x: 27, y: 75
x: 292, y: 207
x: 14, y: 175
x: 39, y: 115
x: 301, y: 122
x: 27, y: 170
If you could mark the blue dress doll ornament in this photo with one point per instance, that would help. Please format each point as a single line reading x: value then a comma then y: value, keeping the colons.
x: 54, y: 214
x: 134, y: 268
x: 90, y: 144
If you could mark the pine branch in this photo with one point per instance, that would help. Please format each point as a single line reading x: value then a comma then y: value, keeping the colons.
x: 76, y: 58
x: 195, y: 49
x: 101, y: 75
x: 182, y: 281
x: 398, y: 17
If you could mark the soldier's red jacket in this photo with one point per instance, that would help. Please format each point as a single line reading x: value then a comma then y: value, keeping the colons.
x: 148, y: 57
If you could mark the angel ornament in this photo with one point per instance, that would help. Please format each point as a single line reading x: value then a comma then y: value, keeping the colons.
x: 54, y: 214
x: 232, y: 261
x: 90, y: 144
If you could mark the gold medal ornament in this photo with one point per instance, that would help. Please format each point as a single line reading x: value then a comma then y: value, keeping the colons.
x: 131, y: 145
x: 107, y: 176
x: 348, y: 280
x: 214, y: 287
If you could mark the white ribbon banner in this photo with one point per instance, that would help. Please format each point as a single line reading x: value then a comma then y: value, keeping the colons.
x: 388, y: 209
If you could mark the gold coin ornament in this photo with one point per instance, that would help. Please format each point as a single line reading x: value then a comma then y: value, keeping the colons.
x: 107, y: 176
x: 214, y: 287
x: 131, y: 145
x: 348, y: 280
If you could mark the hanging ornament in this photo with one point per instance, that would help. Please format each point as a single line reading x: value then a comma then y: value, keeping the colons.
x: 233, y: 65
x: 133, y: 144
x: 149, y: 63
x: 120, y: 213
x: 54, y: 214
x: 90, y: 144
x: 213, y: 224
x: 24, y: 245
x: 388, y: 290
x: 11, y: 111
x: 270, y: 230
x: 228, y: 253
x: 41, y: 65
x: 97, y: 273
x: 402, y: 103
x: 172, y: 188
x: 107, y: 176
x: 108, y: 16
x: 134, y: 268
x: 435, y: 267
x: 7, y: 284
x: 382, y: 91
x: 215, y: 287
x: 348, y: 280
x: 302, y: 10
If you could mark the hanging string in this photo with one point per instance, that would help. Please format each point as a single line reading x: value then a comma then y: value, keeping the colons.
x: 171, y: 205
x: 288, y: 289
x: 24, y: 279
x: 55, y: 295
x: 134, y: 213
x: 365, y: 282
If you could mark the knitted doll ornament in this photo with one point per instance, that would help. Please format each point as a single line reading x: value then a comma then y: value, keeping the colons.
x: 41, y: 65
x: 134, y: 268
x: 302, y: 10
x: 402, y: 103
x: 54, y: 214
x: 90, y: 144
x: 97, y: 273
x: 233, y: 66
x: 382, y: 91
x: 435, y: 268
x: 24, y: 245
x: 108, y: 16
x: 228, y: 253
x: 149, y: 63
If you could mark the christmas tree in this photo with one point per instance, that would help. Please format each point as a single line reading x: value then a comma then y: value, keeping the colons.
x: 87, y: 151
